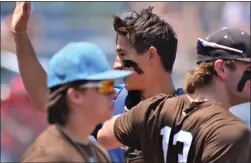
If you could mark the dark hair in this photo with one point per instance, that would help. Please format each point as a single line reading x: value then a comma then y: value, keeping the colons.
x: 147, y: 29
x: 57, y: 106
x: 126, y: 18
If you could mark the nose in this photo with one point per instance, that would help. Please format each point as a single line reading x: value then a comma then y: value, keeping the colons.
x: 117, y: 64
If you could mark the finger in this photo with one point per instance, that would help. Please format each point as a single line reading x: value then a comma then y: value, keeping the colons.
x: 20, y: 3
x: 26, y: 6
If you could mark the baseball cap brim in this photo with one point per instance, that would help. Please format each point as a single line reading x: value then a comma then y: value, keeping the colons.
x: 244, y: 59
x: 110, y: 75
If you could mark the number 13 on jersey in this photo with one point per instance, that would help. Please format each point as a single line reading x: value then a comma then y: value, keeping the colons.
x: 182, y: 136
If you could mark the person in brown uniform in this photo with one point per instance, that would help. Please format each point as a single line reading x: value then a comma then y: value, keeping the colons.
x: 196, y: 127
x: 81, y: 90
x: 147, y: 45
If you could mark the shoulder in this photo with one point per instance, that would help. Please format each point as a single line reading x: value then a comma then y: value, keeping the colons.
x: 153, y: 109
x: 161, y: 102
x: 233, y: 132
x: 215, y: 115
x: 36, y: 153
x: 156, y: 99
x: 49, y: 145
x: 149, y: 105
x: 37, y: 148
x: 227, y: 143
x: 226, y: 129
x: 216, y: 119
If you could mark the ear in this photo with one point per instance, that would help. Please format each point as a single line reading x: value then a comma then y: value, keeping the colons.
x: 153, y: 54
x: 220, y: 69
x: 73, y: 95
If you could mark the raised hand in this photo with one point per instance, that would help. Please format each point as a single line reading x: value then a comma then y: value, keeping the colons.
x: 20, y: 17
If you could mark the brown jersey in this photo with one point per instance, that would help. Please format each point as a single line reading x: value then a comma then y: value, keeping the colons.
x: 53, y: 146
x: 174, y: 130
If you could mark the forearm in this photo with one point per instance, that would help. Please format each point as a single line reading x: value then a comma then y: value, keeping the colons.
x: 106, y: 135
x: 32, y: 72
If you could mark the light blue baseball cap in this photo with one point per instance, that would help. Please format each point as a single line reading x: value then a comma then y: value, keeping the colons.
x: 80, y: 61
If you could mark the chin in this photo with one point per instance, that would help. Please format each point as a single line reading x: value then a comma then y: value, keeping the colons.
x: 128, y: 88
x: 131, y: 86
x: 131, y: 83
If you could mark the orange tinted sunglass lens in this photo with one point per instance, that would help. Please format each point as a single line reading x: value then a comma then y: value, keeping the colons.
x: 107, y: 87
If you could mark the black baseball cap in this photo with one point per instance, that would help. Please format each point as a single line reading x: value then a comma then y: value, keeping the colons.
x: 227, y: 43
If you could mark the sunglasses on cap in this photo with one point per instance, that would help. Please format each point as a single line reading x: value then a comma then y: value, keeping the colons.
x: 105, y: 87
x: 205, y: 43
x: 209, y: 51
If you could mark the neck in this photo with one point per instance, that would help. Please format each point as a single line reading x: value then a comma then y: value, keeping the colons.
x: 161, y: 84
x: 212, y: 93
x: 77, y: 130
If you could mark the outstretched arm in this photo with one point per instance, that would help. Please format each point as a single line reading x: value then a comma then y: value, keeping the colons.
x: 123, y: 129
x: 32, y: 72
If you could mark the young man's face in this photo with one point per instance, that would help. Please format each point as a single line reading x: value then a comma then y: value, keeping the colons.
x: 98, y: 107
x: 238, y: 83
x: 128, y: 59
x: 102, y: 104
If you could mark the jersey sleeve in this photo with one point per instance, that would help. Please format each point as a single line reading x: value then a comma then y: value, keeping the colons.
x: 127, y: 127
x: 228, y: 144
